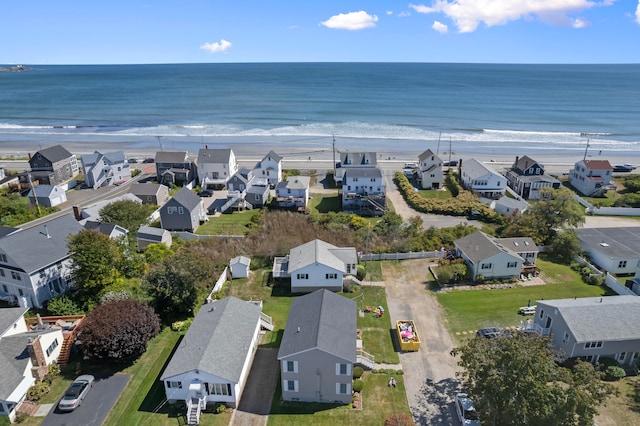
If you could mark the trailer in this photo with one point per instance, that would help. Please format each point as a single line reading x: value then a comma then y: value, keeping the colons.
x: 407, y: 335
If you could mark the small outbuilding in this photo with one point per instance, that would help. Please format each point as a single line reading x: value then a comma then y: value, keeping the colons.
x: 148, y: 235
x: 240, y: 267
x: 47, y: 195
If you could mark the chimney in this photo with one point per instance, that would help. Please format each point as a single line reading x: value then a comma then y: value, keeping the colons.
x: 29, y: 155
x: 77, y: 212
x: 206, y: 146
x: 39, y: 369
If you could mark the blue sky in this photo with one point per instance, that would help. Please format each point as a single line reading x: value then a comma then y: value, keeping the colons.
x: 181, y: 31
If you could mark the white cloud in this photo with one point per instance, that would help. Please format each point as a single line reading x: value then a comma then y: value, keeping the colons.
x: 351, y: 21
x: 638, y: 13
x: 389, y: 12
x: 404, y: 14
x: 580, y: 23
x: 468, y: 14
x: 440, y: 27
x: 216, y: 47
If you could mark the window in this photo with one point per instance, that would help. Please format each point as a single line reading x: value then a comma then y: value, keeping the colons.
x: 180, y: 210
x: 16, y: 276
x: 290, y: 366
x: 303, y: 276
x: 171, y: 209
x: 343, y: 369
x: 593, y: 345
x: 4, y: 287
x: 52, y: 347
x: 331, y: 276
x: 3, y: 258
x: 512, y: 264
x: 486, y: 266
x: 622, y: 264
x: 174, y: 385
x: 220, y: 389
x: 1, y: 272
x: 622, y: 356
x: 20, y: 292
x: 290, y: 385
x: 565, y: 338
x: 343, y: 388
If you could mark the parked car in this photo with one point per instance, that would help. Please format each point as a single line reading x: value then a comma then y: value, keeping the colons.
x: 489, y: 333
x: 466, y: 413
x: 132, y: 161
x: 452, y: 163
x: 149, y: 160
x: 76, y: 392
x: 205, y: 193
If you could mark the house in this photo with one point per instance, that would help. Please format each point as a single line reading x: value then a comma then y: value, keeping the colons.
x: 111, y: 230
x: 481, y: 179
x: 150, y: 193
x: 105, y: 169
x: 615, y: 250
x: 316, y: 265
x: 258, y: 193
x: 2, y: 173
x: 488, y: 257
x: 591, y: 328
x: 212, y: 362
x: 25, y: 356
x: 183, y: 212
x: 293, y: 192
x: 240, y: 267
x: 92, y: 212
x: 215, y: 167
x: 318, y: 349
x: 508, y: 206
x: 245, y: 190
x: 35, y: 263
x: 270, y: 168
x: 51, y: 166
x: 349, y: 160
x: 430, y: 172
x: 526, y: 177
x: 47, y: 195
x: 592, y: 178
x: 363, y: 191
x: 148, y: 235
x: 175, y: 168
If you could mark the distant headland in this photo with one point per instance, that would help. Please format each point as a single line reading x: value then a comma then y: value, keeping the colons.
x: 15, y: 68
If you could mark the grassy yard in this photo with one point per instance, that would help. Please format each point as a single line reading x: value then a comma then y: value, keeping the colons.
x: 227, y: 224
x: 324, y: 203
x: 469, y: 310
x: 439, y: 194
x: 623, y: 410
x: 378, y: 403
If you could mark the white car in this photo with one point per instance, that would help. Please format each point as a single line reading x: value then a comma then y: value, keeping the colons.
x: 76, y: 392
x: 466, y: 413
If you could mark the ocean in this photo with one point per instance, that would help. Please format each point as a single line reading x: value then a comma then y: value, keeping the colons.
x: 386, y: 107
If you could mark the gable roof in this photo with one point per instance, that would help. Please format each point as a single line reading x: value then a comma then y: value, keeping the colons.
x: 35, y: 248
x: 243, y: 260
x: 55, y: 153
x: 362, y: 172
x: 218, y: 340
x: 145, y: 188
x: 321, y: 320
x: 512, y: 203
x: 275, y: 157
x: 222, y: 155
x: 614, y: 243
x: 524, y: 162
x: 150, y: 233
x: 318, y: 251
x: 476, y: 169
x: 294, y: 182
x: 187, y: 199
x: 426, y: 154
x: 113, y: 157
x: 93, y: 211
x: 610, y: 318
x: 172, y: 157
x: 358, y: 158
x: 479, y: 246
x: 8, y: 316
x: 44, y: 191
x: 104, y: 227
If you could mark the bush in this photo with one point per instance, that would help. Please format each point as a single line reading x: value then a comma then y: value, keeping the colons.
x: 358, y: 385
x: 613, y: 373
x: 361, y: 272
x: 62, y: 305
x: 220, y: 408
x: 37, y: 391
x: 357, y: 372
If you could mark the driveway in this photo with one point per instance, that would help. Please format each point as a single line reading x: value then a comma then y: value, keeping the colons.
x: 429, y: 374
x: 95, y: 407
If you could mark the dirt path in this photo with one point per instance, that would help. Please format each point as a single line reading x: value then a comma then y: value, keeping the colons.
x: 429, y: 374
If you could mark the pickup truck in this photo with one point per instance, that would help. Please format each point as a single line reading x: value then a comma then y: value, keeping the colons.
x: 407, y: 335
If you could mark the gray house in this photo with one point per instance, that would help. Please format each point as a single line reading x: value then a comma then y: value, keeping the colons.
x: 148, y: 235
x: 318, y: 349
x: 150, y: 193
x: 111, y: 230
x: 213, y: 360
x: 175, y: 168
x: 52, y: 166
x: 184, y: 212
x: 592, y: 327
x: 105, y: 169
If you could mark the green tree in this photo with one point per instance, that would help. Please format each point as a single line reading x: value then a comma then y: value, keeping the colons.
x: 63, y: 305
x: 515, y: 380
x: 565, y: 245
x: 128, y: 214
x: 156, y: 253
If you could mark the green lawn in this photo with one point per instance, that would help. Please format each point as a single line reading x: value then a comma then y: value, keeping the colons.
x: 440, y: 194
x: 378, y: 403
x: 324, y: 203
x: 227, y: 224
x: 469, y: 310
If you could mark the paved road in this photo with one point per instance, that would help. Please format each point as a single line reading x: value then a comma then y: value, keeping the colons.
x: 95, y: 407
x: 429, y: 374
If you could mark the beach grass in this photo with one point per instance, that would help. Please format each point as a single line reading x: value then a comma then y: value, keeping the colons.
x: 235, y: 223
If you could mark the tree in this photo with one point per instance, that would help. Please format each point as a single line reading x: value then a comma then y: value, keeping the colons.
x: 62, y: 305
x: 128, y: 214
x: 515, y: 380
x: 119, y: 330
x: 565, y: 245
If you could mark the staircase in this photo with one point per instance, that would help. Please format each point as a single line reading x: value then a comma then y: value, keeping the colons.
x: 194, y: 409
x: 365, y: 359
x: 266, y: 321
x: 65, y: 348
x: 107, y: 173
x: 376, y: 205
x: 232, y: 198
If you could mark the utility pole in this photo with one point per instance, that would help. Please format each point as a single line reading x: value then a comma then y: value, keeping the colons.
x: 585, y: 150
x: 334, y: 159
x: 35, y: 196
x: 159, y: 142
x: 438, y: 149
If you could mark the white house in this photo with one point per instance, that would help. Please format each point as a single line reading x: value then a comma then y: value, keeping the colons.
x: 591, y: 178
x: 430, y: 170
x: 363, y: 191
x: 615, y: 250
x: 316, y: 265
x: 508, y: 206
x: 212, y: 362
x: 270, y: 168
x: 293, y: 192
x: 215, y: 167
x: 47, y: 195
x: 35, y: 263
x: 482, y: 179
x: 349, y: 160
x: 105, y: 169
x: 240, y: 266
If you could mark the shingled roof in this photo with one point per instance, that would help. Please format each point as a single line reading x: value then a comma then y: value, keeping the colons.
x: 55, y: 153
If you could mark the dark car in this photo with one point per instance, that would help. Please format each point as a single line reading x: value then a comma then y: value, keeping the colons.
x: 450, y: 163
x: 205, y: 193
x: 489, y: 333
x: 76, y: 392
x: 149, y: 160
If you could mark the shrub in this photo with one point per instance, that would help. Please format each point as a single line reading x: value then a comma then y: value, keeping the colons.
x: 357, y: 372
x: 220, y: 408
x: 361, y: 272
x: 613, y: 373
x: 604, y: 362
x: 62, y: 305
x: 37, y: 391
x: 358, y: 385
x: 399, y: 420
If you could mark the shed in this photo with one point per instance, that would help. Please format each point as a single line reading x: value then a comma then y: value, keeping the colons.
x: 240, y: 267
x: 148, y: 235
